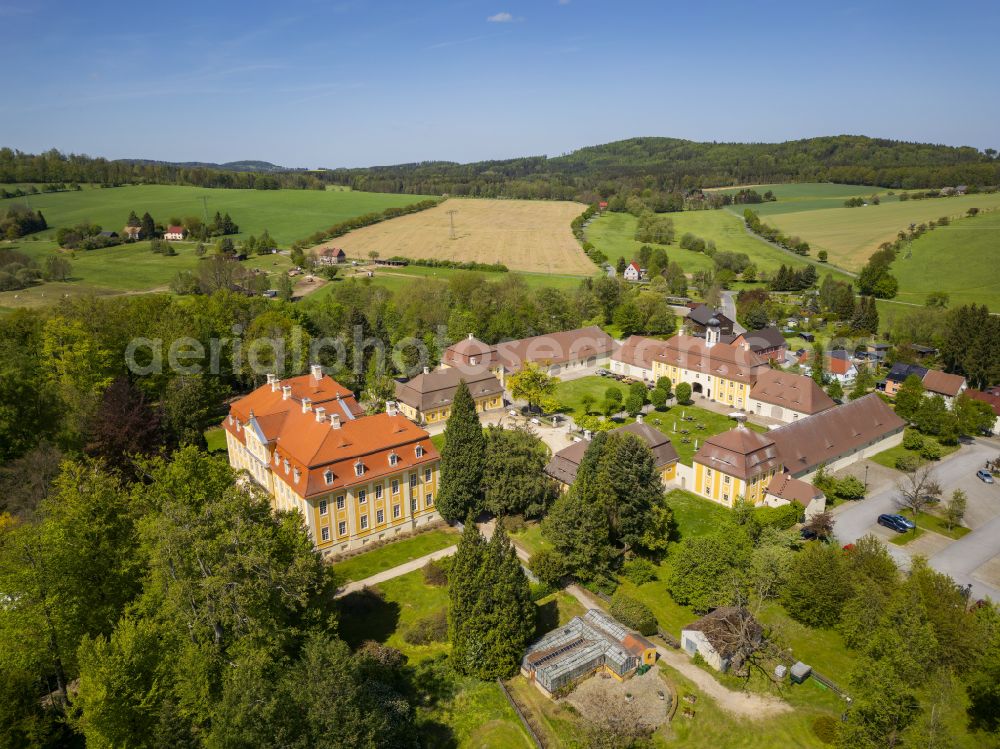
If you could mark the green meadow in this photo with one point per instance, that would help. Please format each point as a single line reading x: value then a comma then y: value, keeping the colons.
x: 287, y: 214
x: 613, y: 234
x: 807, y: 196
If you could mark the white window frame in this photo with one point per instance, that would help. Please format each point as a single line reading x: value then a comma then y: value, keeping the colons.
x: 428, y: 499
x: 328, y: 476
x: 419, y: 451
x: 323, y: 507
x: 325, y: 533
x: 342, y: 528
x: 395, y: 486
x: 378, y: 491
x: 395, y: 511
x: 340, y: 502
x: 364, y: 522
x: 427, y: 474
x: 379, y: 517
x: 362, y: 496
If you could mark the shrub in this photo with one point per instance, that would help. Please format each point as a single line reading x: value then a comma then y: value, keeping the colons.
x: 432, y: 628
x: 435, y: 574
x: 538, y: 591
x: 634, y: 614
x: 683, y: 393
x: 906, y: 463
x: 547, y: 566
x: 930, y: 450
x: 698, y: 659
x: 783, y: 517
x: 912, y: 441
x: 640, y: 571
x: 825, y: 729
x: 514, y: 524
x: 850, y: 488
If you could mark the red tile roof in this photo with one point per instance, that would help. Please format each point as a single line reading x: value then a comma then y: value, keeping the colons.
x: 461, y: 353
x: 740, y: 452
x: 312, y: 442
x: 176, y: 230
x: 942, y: 383
x: 797, y: 392
x: 556, y: 348
x: 638, y: 351
x: 792, y: 489
x: 721, y: 360
x: 990, y: 398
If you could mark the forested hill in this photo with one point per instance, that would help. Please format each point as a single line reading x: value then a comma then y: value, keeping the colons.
x: 670, y: 164
x: 664, y: 164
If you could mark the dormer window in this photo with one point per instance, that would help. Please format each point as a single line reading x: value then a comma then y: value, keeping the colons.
x: 328, y: 477
x: 287, y: 466
x: 420, y: 451
x: 298, y: 475
x: 393, y: 459
x: 359, y: 468
x: 230, y: 418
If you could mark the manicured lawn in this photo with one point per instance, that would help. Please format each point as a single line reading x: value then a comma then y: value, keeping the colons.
x: 570, y: 393
x: 438, y: 441
x: 930, y: 521
x: 215, y: 439
x: 392, y: 555
x: 677, y: 418
x: 889, y: 457
x: 531, y: 538
x: 823, y: 649
x: 694, y: 515
x: 287, y: 214
x: 901, y: 539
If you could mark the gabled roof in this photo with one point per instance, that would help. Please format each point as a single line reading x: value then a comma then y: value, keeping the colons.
x: 990, y: 398
x: 765, y: 338
x: 325, y: 391
x: 333, y: 252
x: 792, y: 489
x: 176, y: 230
x: 797, y: 392
x: 722, y: 359
x: 638, y: 351
x: 556, y: 348
x: 565, y: 463
x: 740, y: 452
x: 806, y: 444
x: 703, y: 313
x: 436, y: 389
x: 901, y: 371
x: 462, y: 352
x: 942, y: 383
x: 635, y: 266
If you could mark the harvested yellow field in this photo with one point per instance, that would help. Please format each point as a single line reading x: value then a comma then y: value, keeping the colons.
x: 851, y: 235
x: 525, y: 235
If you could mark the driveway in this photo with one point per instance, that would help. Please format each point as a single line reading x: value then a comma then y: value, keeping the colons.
x: 729, y: 310
x: 960, y: 558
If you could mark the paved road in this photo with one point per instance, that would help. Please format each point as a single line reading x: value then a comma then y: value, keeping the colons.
x: 960, y: 558
x: 729, y: 310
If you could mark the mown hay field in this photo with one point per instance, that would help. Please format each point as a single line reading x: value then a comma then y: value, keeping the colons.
x: 851, y: 235
x: 524, y: 235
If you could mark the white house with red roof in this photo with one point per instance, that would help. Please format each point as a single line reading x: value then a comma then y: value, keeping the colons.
x: 355, y: 479
x: 632, y: 272
x: 175, y: 233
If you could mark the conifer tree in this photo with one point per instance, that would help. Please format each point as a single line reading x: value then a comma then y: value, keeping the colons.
x: 466, y: 584
x: 631, y: 487
x: 148, y: 226
x: 133, y: 219
x: 462, y: 459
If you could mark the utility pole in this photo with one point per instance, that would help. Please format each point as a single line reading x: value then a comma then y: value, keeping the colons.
x: 204, y: 206
x: 451, y: 221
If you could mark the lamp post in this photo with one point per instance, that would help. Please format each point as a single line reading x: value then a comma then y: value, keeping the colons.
x: 866, y: 478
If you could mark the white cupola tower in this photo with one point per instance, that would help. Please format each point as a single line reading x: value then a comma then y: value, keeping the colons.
x: 712, y: 332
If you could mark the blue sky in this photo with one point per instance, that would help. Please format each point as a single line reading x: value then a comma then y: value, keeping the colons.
x: 360, y: 83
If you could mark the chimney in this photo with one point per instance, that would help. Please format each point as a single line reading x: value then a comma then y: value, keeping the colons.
x: 286, y: 392
x: 317, y: 371
x: 320, y: 413
x: 390, y: 408
x: 307, y: 405
x: 334, y: 421
x: 471, y: 336
x: 587, y: 434
x: 427, y: 370
x: 272, y: 380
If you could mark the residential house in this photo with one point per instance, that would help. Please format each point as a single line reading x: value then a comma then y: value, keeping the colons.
x: 565, y: 463
x: 175, y: 233
x: 355, y: 479
x: 132, y: 233
x: 785, y: 489
x: 698, y: 319
x: 787, y: 397
x: 472, y: 356
x: 948, y: 386
x: 736, y: 464
x: 634, y: 358
x: 877, y: 351
x: 722, y: 637
x: 898, y: 374
x: 991, y: 397
x: 427, y: 398
x: 632, y: 272
x: 559, y: 353
x: 585, y: 645
x: 837, y: 437
x: 837, y: 365
x: 108, y: 234
x: 767, y: 343
x: 718, y: 371
x: 331, y: 256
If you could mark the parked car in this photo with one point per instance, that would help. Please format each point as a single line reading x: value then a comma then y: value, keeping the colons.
x: 896, y: 522
x: 602, y: 373
x: 985, y: 476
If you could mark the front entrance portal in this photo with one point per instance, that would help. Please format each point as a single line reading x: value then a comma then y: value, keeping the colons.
x: 697, y: 388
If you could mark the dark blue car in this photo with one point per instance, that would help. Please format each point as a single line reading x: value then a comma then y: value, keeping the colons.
x: 896, y: 522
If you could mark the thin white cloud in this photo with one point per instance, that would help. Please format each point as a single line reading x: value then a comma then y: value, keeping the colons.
x: 502, y: 17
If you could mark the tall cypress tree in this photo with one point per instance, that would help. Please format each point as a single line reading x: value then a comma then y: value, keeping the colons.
x: 491, y: 617
x: 633, y: 488
x: 465, y: 586
x: 462, y: 459
x: 148, y: 230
